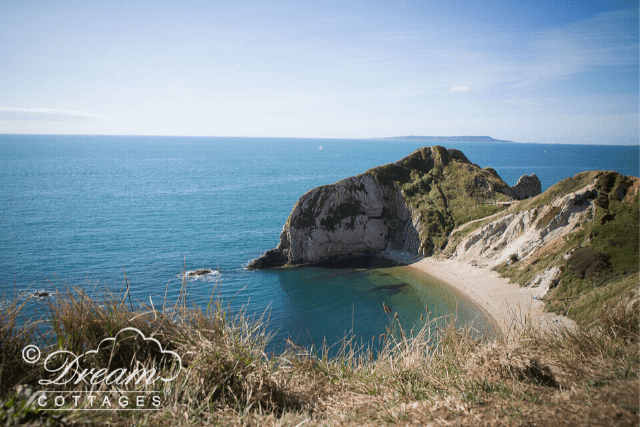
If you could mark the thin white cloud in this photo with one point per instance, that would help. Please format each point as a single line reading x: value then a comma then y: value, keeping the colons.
x: 518, y: 60
x: 459, y: 89
x: 605, y: 40
x: 42, y: 114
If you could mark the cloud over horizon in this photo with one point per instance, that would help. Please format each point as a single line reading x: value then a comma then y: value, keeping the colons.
x: 459, y: 89
x: 42, y: 114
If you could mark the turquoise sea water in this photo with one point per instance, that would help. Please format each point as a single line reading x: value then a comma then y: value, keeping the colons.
x: 80, y: 209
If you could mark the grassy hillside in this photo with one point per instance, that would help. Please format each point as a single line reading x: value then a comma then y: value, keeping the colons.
x: 599, y: 262
x: 444, y: 190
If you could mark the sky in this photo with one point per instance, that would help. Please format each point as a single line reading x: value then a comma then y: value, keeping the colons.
x: 559, y: 71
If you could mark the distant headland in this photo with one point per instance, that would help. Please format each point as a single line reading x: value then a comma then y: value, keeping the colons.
x: 445, y: 138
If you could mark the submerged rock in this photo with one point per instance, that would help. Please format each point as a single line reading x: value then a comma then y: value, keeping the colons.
x: 41, y: 294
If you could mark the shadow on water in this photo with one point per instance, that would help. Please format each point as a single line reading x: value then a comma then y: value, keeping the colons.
x: 366, y: 262
x: 391, y: 289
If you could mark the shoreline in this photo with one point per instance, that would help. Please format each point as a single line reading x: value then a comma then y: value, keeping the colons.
x: 507, y: 304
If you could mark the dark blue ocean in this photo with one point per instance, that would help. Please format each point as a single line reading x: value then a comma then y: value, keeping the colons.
x: 82, y: 210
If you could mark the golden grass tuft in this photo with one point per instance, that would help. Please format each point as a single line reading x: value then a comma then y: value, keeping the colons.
x: 14, y: 336
x: 497, y: 362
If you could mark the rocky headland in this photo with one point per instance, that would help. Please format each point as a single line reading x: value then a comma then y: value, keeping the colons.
x: 466, y: 138
x: 400, y: 211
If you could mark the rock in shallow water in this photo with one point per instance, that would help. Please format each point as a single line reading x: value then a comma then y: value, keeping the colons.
x: 200, y: 272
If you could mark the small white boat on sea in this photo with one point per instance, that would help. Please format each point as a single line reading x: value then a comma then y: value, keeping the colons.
x: 320, y: 148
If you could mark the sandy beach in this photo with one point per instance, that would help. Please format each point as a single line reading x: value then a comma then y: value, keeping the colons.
x: 505, y: 302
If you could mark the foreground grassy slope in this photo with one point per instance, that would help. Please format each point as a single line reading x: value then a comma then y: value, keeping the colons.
x: 588, y: 376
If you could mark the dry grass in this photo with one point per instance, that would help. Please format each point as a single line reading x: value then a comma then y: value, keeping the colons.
x: 438, y: 375
x: 13, y: 338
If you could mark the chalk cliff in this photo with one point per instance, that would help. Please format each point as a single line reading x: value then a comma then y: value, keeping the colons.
x: 401, y: 210
x: 577, y: 229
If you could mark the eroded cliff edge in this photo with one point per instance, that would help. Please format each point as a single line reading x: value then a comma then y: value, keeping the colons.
x: 576, y: 243
x: 402, y: 210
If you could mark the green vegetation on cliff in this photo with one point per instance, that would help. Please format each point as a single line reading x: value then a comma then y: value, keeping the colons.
x: 348, y: 209
x: 599, y: 261
x: 444, y: 190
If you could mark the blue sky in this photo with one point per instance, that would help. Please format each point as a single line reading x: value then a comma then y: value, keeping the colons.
x: 540, y: 71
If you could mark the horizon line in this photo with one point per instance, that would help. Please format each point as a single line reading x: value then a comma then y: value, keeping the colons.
x: 414, y: 138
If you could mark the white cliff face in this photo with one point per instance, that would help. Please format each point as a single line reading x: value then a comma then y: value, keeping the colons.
x: 353, y: 216
x: 516, y: 236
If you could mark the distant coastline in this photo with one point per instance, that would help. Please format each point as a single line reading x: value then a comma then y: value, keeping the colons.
x: 445, y: 138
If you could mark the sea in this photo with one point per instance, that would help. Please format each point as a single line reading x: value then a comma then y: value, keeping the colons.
x: 97, y: 211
